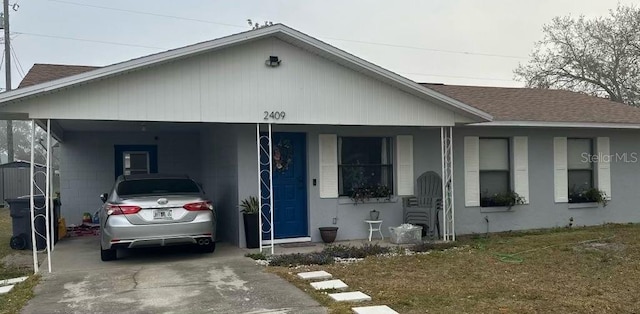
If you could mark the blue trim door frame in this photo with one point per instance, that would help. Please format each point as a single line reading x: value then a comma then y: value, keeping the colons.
x: 289, y: 162
x: 119, y: 150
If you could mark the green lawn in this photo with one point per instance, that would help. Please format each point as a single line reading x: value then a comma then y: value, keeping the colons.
x: 13, y: 301
x: 585, y: 270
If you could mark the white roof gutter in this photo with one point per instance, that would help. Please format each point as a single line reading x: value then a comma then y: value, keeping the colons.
x: 549, y: 124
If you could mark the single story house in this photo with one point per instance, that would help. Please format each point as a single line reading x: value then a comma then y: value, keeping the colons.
x: 335, y: 122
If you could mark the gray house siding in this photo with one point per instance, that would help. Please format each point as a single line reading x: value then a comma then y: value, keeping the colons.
x: 543, y: 211
x: 87, y: 164
x: 350, y: 217
x: 220, y: 177
x: 223, y: 158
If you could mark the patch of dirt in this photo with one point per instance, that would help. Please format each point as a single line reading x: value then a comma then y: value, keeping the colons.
x: 601, y: 247
x: 18, y: 260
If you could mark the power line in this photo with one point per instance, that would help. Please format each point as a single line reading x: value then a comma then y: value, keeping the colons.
x: 19, y: 66
x: 91, y: 40
x: 160, y: 48
x: 325, y: 37
x: 428, y: 49
x: 147, y: 13
x: 456, y: 76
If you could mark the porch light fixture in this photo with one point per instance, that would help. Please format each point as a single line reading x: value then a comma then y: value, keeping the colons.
x: 273, y: 61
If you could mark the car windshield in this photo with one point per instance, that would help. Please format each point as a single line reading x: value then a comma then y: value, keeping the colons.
x: 157, y: 186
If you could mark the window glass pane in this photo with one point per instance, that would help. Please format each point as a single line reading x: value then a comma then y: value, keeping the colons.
x: 580, y: 180
x: 578, y: 152
x: 493, y: 182
x: 157, y: 186
x: 353, y: 177
x: 364, y: 162
x: 364, y: 151
x: 138, y: 160
x: 494, y: 154
x: 136, y: 163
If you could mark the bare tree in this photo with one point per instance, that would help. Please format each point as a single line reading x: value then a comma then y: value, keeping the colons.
x: 22, y: 142
x: 599, y: 56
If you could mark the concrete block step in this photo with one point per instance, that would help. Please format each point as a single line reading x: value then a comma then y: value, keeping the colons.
x: 315, y: 275
x: 12, y: 281
x: 355, y: 296
x: 5, y: 289
x: 329, y: 284
x: 376, y: 309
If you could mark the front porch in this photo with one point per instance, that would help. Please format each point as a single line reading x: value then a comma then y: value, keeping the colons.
x: 224, y: 159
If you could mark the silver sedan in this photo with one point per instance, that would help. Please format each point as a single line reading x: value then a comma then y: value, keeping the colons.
x: 155, y: 210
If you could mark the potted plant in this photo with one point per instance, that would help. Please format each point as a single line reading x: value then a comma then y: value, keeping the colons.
x: 364, y: 193
x: 250, y: 214
x: 328, y: 234
x: 589, y: 195
x: 506, y: 199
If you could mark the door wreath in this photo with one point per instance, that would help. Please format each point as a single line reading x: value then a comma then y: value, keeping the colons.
x: 282, y: 155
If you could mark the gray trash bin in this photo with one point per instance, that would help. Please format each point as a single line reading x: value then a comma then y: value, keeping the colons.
x: 21, y: 222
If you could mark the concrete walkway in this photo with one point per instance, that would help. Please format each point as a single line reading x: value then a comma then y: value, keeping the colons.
x: 167, y: 280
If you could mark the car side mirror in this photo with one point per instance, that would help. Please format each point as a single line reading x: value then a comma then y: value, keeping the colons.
x: 104, y: 197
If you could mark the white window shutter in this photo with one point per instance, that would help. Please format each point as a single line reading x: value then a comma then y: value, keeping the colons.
x: 560, y: 178
x: 328, y: 151
x: 471, y: 171
x: 404, y: 154
x: 604, y: 166
x: 521, y: 166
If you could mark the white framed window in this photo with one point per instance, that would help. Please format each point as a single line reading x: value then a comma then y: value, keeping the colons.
x: 364, y: 162
x: 495, y: 169
x: 135, y: 163
x: 580, y: 170
x: 580, y: 165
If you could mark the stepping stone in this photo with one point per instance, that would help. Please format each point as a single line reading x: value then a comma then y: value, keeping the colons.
x: 12, y: 281
x: 378, y: 309
x: 315, y: 275
x: 5, y: 289
x: 356, y: 296
x: 329, y: 284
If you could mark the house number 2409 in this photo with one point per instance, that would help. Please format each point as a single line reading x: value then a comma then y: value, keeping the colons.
x: 274, y: 115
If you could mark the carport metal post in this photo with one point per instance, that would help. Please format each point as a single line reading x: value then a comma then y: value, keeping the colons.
x: 34, y: 247
x: 47, y: 193
x: 268, y: 152
x: 448, y: 214
x: 48, y: 223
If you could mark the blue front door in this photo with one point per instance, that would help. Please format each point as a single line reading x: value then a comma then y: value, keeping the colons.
x: 289, y: 185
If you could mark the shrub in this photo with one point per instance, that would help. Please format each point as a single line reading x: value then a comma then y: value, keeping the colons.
x: 344, y: 251
x: 256, y: 256
x: 290, y: 260
x: 327, y: 256
x: 425, y: 247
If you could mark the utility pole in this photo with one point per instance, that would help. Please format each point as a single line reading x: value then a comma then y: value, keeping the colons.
x: 7, y: 62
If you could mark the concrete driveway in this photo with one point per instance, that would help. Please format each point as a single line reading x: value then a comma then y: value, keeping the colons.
x: 167, y: 280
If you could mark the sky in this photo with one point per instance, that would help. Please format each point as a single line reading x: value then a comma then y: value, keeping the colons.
x: 461, y: 42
